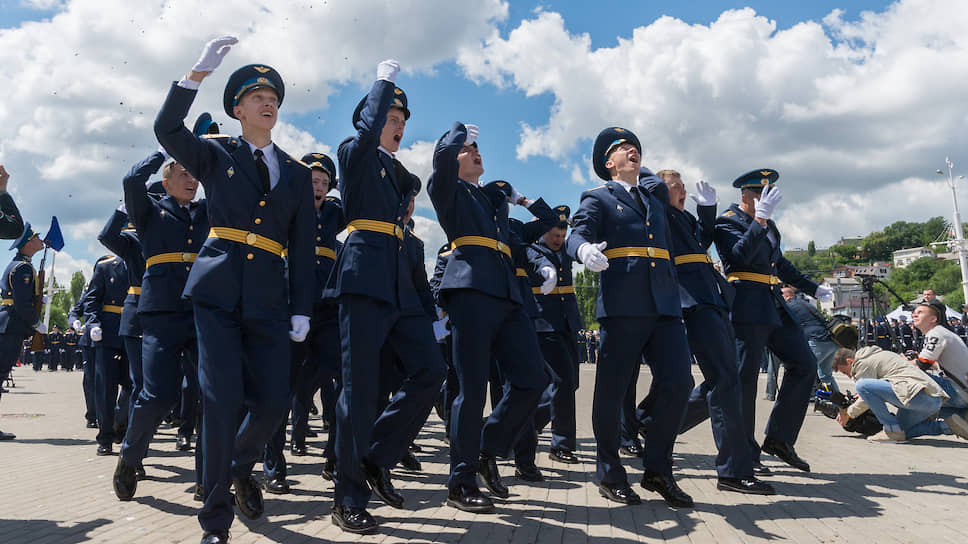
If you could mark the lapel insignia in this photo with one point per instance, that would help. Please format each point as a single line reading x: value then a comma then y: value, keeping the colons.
x: 111, y: 280
x: 618, y: 207
x: 230, y: 172
x: 26, y: 279
x: 383, y: 172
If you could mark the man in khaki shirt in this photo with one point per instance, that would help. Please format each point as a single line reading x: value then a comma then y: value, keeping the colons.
x: 884, y: 377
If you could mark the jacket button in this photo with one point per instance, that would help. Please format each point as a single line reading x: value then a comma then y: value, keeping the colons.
x: 250, y: 256
x: 319, y: 239
x: 191, y: 227
x: 189, y: 240
x: 262, y: 203
x: 650, y: 237
x: 648, y: 224
x: 653, y: 265
x: 258, y: 221
x: 318, y: 226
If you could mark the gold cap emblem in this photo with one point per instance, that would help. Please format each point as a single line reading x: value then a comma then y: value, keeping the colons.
x: 261, y: 69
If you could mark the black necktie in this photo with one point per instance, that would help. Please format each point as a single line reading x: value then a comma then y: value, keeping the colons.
x: 638, y: 199
x: 260, y: 165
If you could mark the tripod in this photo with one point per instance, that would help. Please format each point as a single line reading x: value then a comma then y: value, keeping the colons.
x: 869, y: 300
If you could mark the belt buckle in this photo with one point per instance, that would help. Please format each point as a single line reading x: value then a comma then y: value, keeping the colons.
x: 650, y: 251
x: 250, y: 238
x: 186, y: 257
x: 398, y: 231
x: 502, y: 247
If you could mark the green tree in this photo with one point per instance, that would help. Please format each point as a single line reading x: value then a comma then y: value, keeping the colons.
x: 77, y: 286
x: 586, y: 291
x: 811, y: 248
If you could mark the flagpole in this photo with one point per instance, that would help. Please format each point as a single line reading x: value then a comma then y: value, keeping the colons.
x: 47, y: 289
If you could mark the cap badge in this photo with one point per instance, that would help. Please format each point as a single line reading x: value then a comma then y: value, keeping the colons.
x: 261, y: 69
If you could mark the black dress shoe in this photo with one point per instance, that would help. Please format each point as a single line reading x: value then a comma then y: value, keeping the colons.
x: 298, y: 450
x: 139, y: 473
x: 785, y: 452
x: 410, y: 462
x: 215, y: 537
x: 750, y: 486
x: 7, y: 436
x: 759, y: 469
x: 528, y: 472
x: 469, y: 499
x: 379, y: 479
x: 492, y: 478
x: 415, y: 448
x: 353, y: 520
x: 248, y: 497
x: 277, y: 486
x: 125, y: 480
x: 329, y: 469
x: 182, y: 443
x: 563, y: 456
x: 632, y: 450
x: 619, y: 493
x: 311, y: 434
x: 104, y: 450
x: 198, y: 496
x: 668, y: 488
x: 91, y: 424
x: 313, y: 410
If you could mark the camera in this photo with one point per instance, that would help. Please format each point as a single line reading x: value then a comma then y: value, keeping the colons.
x: 830, y: 403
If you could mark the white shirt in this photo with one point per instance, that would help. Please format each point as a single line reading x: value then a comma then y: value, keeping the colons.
x: 269, y: 156
x: 626, y: 186
x: 948, y: 350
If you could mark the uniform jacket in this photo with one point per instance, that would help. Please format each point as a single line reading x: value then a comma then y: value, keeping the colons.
x: 108, y: 287
x: 522, y: 236
x: 233, y: 275
x: 743, y: 246
x: 56, y: 340
x: 631, y: 286
x: 11, y: 222
x: 19, y: 284
x: 557, y: 312
x: 77, y: 314
x: 329, y: 222
x: 125, y: 244
x: 163, y: 227
x: 464, y: 209
x: 414, y: 248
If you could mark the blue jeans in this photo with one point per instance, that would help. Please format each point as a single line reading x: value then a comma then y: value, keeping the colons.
x: 824, y: 351
x: 915, y: 419
x: 953, y: 405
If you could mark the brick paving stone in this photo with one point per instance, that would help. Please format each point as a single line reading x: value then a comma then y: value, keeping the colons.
x: 55, y: 490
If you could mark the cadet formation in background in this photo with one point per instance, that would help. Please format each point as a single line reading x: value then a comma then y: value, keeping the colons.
x: 224, y: 316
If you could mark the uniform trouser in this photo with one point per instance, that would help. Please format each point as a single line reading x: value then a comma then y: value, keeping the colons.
x: 787, y: 342
x: 661, y: 340
x: 243, y: 374
x: 322, y: 369
x: 87, y: 383
x: 165, y: 336
x: 719, y: 397
x: 526, y: 446
x: 485, y: 328
x: 629, y: 417
x: 451, y: 387
x: 38, y: 358
x: 10, y: 347
x: 274, y: 456
x: 189, y: 401
x: 52, y: 358
x: 110, y: 373
x: 366, y: 324
x: 132, y: 347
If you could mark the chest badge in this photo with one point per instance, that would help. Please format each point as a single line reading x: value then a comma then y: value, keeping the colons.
x: 383, y: 172
x: 230, y: 172
x: 619, y: 207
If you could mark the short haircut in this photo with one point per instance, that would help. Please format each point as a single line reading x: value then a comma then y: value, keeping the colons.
x: 663, y: 174
x: 841, y: 356
x: 166, y: 171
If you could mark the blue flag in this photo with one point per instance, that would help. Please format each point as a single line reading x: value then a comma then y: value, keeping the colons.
x: 54, y: 238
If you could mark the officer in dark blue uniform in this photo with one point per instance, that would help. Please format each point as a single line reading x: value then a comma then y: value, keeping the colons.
x: 749, y: 244
x: 483, y: 297
x: 621, y: 231
x: 882, y: 336
x: 85, y: 359
x: 103, y: 304
x: 373, y: 284
x: 70, y: 349
x: 171, y: 233
x: 19, y: 290
x: 906, y: 335
x: 706, y: 299
x: 55, y: 342
x: 315, y: 361
x: 557, y: 325
x: 11, y: 222
x: 259, y: 203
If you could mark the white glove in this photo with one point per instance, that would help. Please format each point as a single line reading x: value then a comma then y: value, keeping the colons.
x: 592, y: 257
x: 824, y: 293
x: 551, y: 279
x: 123, y: 209
x: 473, y: 131
x: 76, y: 325
x: 213, y: 53
x: 164, y: 154
x: 705, y: 194
x: 45, y: 299
x: 41, y: 327
x: 96, y: 334
x: 516, y: 197
x: 388, y: 70
x: 767, y: 202
x: 300, y: 328
x: 440, y: 328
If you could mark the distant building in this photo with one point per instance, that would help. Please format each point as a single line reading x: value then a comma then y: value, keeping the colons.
x: 845, y: 289
x: 904, y: 257
x: 851, y: 241
x: 879, y: 270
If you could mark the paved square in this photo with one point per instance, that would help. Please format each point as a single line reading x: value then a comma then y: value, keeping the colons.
x: 53, y: 489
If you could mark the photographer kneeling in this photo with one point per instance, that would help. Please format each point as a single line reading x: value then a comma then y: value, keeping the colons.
x: 884, y: 377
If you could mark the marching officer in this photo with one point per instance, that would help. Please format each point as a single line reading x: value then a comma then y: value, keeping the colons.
x: 246, y: 309
x: 103, y: 304
x: 373, y: 283
x: 11, y: 222
x: 19, y: 291
x: 639, y: 312
x: 70, y: 349
x: 748, y: 242
x: 706, y: 299
x: 483, y: 298
x: 56, y: 343
x: 315, y: 361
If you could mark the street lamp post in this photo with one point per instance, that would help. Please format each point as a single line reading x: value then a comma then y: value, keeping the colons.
x: 959, y: 235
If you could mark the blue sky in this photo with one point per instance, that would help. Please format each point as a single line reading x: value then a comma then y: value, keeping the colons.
x: 539, y: 93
